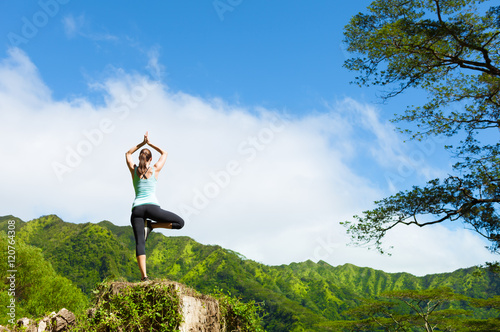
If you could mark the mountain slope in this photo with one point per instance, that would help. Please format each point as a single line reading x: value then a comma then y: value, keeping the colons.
x: 295, y: 295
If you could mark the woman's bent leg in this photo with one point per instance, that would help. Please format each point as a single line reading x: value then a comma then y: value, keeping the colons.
x: 163, y: 218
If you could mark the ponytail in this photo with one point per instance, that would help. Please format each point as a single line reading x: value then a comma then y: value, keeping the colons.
x: 144, y: 157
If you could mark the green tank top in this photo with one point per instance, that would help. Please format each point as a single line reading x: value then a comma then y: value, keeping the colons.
x: 145, y: 190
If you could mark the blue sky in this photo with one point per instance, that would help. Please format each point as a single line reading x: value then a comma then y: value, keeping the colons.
x: 283, y: 54
x: 256, y: 84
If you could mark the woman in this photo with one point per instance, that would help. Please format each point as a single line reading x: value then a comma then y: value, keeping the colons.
x: 146, y: 206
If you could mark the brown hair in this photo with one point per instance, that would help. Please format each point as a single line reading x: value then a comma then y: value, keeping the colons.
x: 144, y: 157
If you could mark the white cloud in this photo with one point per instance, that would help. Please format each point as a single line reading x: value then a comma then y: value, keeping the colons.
x: 268, y: 185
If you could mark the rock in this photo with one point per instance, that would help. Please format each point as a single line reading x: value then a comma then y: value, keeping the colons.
x: 63, y: 321
x: 200, y: 314
x: 25, y: 324
x: 4, y: 329
x: 44, y: 324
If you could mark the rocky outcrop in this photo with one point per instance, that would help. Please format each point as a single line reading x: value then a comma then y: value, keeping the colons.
x: 62, y: 321
x: 200, y: 313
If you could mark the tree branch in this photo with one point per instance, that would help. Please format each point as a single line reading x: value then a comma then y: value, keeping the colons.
x: 464, y: 63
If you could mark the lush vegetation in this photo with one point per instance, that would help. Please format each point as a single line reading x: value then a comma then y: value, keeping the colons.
x: 156, y: 306
x: 238, y: 315
x: 429, y: 310
x: 136, y: 307
x: 450, y: 49
x: 37, y: 288
x: 300, y: 296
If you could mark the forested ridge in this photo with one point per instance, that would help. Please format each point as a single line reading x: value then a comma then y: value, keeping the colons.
x: 305, y: 294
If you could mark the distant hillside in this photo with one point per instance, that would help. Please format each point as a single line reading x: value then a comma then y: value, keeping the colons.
x: 299, y: 294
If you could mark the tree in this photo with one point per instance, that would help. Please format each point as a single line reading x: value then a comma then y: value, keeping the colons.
x: 483, y: 325
x: 427, y: 308
x: 422, y: 310
x: 37, y: 289
x: 451, y: 50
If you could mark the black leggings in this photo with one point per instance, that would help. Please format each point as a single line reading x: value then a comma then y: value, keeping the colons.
x: 154, y: 212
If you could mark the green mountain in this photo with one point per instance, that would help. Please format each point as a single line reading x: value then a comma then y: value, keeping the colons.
x: 295, y: 296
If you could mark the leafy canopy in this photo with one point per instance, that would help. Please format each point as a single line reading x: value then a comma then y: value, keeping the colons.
x: 421, y: 310
x: 451, y: 50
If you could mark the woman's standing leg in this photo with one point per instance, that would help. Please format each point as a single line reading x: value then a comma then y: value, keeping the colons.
x: 141, y: 261
x: 137, y: 220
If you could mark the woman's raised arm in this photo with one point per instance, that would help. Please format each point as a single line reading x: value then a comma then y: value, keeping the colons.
x: 163, y: 156
x: 128, y: 154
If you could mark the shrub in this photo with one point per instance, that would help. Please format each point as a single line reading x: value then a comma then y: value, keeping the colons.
x: 133, y: 307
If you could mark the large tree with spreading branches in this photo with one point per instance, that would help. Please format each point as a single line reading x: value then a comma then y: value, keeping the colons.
x: 451, y: 50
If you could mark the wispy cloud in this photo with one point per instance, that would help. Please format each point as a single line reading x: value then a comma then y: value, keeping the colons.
x: 73, y: 25
x: 401, y: 162
x: 79, y: 26
x: 154, y: 66
x: 271, y: 186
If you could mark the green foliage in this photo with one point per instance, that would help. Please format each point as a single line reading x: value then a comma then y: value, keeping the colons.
x: 448, y: 200
x: 237, y: 315
x: 38, y: 288
x: 139, y: 307
x: 451, y: 50
x: 425, y: 310
x: 85, y: 253
x: 303, y: 296
x: 479, y: 325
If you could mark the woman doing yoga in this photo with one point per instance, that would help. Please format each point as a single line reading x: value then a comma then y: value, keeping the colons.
x: 146, y: 207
